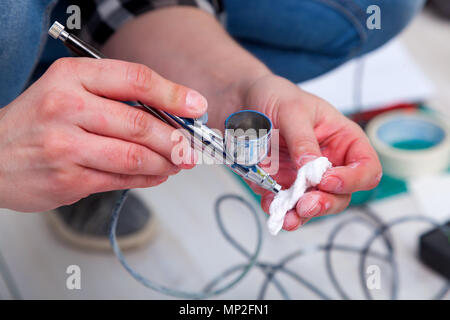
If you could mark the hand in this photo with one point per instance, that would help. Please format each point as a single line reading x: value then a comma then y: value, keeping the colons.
x: 310, y: 128
x: 66, y: 137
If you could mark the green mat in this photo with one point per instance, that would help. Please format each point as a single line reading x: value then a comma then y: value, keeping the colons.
x: 388, y: 186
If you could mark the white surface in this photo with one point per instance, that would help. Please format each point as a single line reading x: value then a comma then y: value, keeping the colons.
x: 427, y: 40
x: 431, y: 193
x: 308, y: 176
x: 390, y: 76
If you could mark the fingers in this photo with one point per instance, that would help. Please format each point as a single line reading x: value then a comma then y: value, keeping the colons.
x: 348, y: 145
x: 266, y: 200
x: 121, y: 157
x: 118, y: 120
x: 291, y: 221
x: 285, y: 177
x: 127, y: 81
x: 318, y: 203
x: 99, y: 181
x: 256, y: 188
x: 312, y: 204
x: 297, y: 128
x: 362, y: 170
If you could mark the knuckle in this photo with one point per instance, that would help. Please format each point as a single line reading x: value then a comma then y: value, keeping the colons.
x: 139, y: 77
x: 177, y: 94
x: 55, y: 145
x: 62, y: 181
x: 54, y: 103
x: 63, y: 65
x: 140, y: 124
x: 133, y: 160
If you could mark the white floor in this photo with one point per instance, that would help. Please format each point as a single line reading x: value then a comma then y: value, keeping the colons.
x: 428, y: 40
x: 189, y: 249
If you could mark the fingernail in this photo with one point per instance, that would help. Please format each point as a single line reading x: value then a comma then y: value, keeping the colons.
x: 332, y: 183
x: 291, y: 222
x: 195, y: 102
x: 309, y: 206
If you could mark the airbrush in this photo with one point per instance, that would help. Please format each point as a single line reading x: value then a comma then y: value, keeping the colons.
x: 250, y: 150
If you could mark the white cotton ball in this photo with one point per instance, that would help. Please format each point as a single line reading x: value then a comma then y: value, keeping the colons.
x: 308, y: 176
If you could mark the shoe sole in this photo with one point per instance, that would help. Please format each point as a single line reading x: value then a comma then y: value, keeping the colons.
x: 87, y: 242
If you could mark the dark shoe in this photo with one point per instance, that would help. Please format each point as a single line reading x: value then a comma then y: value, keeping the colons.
x: 86, y: 223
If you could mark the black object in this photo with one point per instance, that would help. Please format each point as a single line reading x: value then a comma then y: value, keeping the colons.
x: 441, y: 7
x: 434, y: 250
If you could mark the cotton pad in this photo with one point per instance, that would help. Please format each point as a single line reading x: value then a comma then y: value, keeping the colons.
x: 308, y: 176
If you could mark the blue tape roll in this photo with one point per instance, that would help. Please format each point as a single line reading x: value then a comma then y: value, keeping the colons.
x: 410, y: 144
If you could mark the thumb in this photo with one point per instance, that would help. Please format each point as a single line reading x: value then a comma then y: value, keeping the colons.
x: 297, y: 129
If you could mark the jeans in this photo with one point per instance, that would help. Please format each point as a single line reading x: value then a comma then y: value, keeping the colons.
x: 302, y: 39
x: 297, y: 39
x: 23, y: 33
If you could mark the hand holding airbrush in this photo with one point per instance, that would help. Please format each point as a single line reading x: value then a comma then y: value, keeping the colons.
x: 202, y: 136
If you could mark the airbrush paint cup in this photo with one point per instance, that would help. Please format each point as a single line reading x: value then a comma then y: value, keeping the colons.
x: 247, y: 136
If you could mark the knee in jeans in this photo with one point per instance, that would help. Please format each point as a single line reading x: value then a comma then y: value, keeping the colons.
x: 395, y: 16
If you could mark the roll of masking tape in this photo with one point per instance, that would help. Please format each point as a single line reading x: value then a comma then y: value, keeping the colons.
x: 410, y: 144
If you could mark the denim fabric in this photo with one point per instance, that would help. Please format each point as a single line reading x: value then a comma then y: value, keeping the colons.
x: 297, y: 39
x: 23, y: 26
x: 302, y: 39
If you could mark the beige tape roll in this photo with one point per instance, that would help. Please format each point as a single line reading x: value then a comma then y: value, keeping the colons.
x: 410, y: 144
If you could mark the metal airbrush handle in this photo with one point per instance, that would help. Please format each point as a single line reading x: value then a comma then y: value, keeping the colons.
x: 203, y: 137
